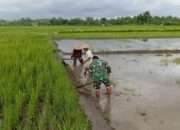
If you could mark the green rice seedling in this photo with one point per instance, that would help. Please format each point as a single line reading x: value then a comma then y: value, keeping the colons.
x: 35, y: 91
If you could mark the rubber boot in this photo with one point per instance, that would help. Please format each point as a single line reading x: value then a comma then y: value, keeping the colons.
x: 109, y: 91
x: 97, y: 93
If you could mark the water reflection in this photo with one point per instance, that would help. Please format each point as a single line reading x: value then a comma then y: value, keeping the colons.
x: 122, y: 44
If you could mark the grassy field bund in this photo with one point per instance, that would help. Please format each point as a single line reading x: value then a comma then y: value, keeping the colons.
x: 35, y: 91
x: 93, y: 32
x: 129, y: 31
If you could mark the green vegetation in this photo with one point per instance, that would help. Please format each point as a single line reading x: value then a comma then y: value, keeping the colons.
x: 125, y: 31
x: 177, y: 61
x: 35, y: 92
x: 144, y: 18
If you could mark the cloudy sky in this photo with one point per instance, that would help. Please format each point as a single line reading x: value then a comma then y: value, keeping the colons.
x: 12, y: 9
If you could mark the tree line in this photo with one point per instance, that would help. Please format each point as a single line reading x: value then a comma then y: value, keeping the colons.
x: 144, y: 18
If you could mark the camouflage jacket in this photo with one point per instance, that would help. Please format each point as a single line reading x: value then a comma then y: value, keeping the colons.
x: 99, y: 70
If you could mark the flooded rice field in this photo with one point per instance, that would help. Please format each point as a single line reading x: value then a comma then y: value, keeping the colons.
x: 146, y: 87
x: 123, y: 44
x: 146, y: 95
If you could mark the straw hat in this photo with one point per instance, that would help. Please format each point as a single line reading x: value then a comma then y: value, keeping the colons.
x: 80, y: 46
x: 85, y: 45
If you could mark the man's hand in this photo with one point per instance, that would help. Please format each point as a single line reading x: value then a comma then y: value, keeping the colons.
x: 85, y: 72
x: 87, y: 60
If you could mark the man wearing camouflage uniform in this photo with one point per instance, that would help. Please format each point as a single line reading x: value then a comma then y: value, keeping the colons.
x: 99, y: 73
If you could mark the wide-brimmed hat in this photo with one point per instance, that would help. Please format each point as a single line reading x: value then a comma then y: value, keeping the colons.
x: 78, y: 46
x: 85, y: 46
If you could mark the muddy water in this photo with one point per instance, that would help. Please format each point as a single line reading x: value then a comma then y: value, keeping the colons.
x: 122, y: 44
x: 146, y: 94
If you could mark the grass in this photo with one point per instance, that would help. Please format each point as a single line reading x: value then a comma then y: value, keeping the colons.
x: 177, y: 61
x: 132, y: 31
x: 35, y: 91
x: 125, y: 31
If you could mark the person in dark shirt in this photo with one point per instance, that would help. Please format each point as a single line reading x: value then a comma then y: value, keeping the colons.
x: 77, y: 55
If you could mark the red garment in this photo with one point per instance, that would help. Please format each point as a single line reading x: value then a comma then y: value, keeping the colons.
x: 77, y: 53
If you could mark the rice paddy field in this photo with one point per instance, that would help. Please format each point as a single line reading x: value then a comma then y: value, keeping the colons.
x: 96, y: 32
x: 35, y: 90
x: 146, y: 87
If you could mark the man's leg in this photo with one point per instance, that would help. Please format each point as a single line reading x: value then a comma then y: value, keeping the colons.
x: 109, y: 90
x: 108, y: 87
x: 97, y: 92
x: 81, y: 60
x: 74, y: 61
x: 97, y: 86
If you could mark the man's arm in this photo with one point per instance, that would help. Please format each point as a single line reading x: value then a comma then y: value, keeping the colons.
x: 108, y: 68
x: 72, y: 55
x: 89, y: 56
x: 88, y: 70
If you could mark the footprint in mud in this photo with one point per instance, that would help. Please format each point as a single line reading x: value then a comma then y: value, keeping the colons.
x: 117, y: 93
x: 128, y: 99
x: 142, y: 113
x: 150, y: 72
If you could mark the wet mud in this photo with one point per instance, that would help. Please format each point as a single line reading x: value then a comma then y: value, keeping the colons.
x: 146, y: 95
x: 89, y: 104
x: 146, y: 92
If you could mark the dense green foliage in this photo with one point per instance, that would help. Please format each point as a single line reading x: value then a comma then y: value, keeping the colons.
x: 35, y: 92
x: 141, y: 19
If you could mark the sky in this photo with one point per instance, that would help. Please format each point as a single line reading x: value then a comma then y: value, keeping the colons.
x: 14, y: 9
